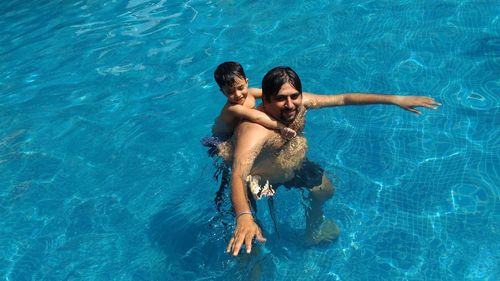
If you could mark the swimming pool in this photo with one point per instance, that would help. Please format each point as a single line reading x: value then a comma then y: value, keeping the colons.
x: 103, y: 104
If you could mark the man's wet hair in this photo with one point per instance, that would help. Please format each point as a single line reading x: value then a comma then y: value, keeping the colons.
x: 276, y: 78
x: 226, y: 73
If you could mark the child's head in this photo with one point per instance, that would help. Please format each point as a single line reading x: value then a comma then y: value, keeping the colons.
x: 232, y: 81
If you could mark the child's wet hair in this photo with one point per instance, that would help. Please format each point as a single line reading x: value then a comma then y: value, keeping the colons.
x: 276, y: 78
x: 227, y: 72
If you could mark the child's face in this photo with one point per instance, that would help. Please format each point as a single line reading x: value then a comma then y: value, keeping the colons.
x: 237, y: 93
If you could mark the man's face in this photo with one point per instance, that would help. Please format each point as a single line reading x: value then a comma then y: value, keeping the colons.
x: 285, y: 105
x: 237, y: 93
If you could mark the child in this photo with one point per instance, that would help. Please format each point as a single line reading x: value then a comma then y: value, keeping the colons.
x: 240, y: 103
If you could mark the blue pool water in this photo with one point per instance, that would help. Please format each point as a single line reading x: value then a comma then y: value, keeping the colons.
x: 103, y: 104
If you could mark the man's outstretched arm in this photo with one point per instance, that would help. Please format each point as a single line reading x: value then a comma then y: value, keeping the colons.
x: 406, y: 102
x: 249, y: 139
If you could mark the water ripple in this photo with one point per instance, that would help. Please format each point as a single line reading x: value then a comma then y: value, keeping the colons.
x: 103, y: 102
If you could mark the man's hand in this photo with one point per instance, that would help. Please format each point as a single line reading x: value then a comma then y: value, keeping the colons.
x: 246, y: 230
x: 410, y: 102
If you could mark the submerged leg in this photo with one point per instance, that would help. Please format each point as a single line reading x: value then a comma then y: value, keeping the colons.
x: 224, y: 182
x: 318, y: 229
x: 256, y: 266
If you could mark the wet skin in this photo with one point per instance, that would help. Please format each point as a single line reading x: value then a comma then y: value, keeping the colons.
x: 260, y: 151
x: 257, y: 151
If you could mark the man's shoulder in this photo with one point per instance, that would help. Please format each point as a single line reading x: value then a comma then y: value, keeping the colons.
x: 308, y: 99
x: 246, y: 125
x: 252, y: 130
x: 249, y: 136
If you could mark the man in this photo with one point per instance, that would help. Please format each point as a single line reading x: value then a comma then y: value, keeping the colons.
x: 261, y: 152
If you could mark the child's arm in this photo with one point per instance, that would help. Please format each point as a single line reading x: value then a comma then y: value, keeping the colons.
x: 406, y: 102
x: 259, y: 117
x: 255, y: 92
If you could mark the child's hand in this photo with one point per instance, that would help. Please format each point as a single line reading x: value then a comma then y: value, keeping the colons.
x: 410, y: 102
x: 287, y: 133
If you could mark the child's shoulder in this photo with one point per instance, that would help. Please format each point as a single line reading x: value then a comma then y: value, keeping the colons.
x: 232, y: 108
x: 239, y: 110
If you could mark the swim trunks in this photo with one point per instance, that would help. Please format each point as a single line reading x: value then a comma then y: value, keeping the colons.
x: 308, y: 175
x: 212, y: 142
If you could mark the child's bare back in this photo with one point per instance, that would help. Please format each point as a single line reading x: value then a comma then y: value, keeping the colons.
x: 226, y: 122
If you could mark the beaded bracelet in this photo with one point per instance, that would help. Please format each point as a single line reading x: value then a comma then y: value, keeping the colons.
x: 242, y: 213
